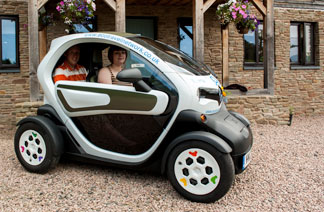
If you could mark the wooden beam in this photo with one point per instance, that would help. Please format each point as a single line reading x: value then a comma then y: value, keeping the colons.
x: 42, y: 35
x: 33, y: 50
x: 111, y: 4
x: 207, y: 4
x: 41, y: 3
x: 120, y: 16
x: 198, y: 29
x: 258, y: 4
x: 225, y: 73
x: 268, y: 48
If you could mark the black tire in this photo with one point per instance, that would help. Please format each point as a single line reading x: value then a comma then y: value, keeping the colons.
x: 196, y: 181
x: 34, y: 148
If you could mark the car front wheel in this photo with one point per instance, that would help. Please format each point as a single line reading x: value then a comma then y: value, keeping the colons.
x: 200, y: 172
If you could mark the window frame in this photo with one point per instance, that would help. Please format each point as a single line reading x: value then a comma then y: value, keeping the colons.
x: 256, y: 40
x: 10, y: 67
x: 302, y: 44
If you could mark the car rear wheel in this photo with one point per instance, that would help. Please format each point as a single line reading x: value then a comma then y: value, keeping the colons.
x: 34, y: 148
x: 200, y: 172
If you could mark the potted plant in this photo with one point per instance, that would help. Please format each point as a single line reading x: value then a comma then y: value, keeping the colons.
x: 223, y: 14
x: 76, y: 12
x: 238, y: 12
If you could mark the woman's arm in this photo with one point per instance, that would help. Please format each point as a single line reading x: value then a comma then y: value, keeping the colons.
x: 104, y: 76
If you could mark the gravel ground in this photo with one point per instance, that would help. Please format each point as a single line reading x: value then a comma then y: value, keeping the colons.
x: 286, y: 174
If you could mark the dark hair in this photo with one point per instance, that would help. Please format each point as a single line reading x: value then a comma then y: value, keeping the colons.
x: 111, y: 52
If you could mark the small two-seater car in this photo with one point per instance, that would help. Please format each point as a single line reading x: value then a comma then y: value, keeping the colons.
x: 172, y: 119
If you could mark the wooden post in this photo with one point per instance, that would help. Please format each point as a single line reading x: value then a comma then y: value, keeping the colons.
x: 33, y: 49
x: 42, y: 43
x: 198, y: 29
x: 225, y: 56
x: 120, y: 16
x: 268, y: 48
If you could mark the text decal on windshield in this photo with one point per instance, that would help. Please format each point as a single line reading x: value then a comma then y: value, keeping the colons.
x: 147, y: 54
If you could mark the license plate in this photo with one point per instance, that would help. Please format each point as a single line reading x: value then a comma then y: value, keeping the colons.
x: 246, y: 159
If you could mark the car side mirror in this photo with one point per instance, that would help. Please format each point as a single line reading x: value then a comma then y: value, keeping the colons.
x: 133, y: 75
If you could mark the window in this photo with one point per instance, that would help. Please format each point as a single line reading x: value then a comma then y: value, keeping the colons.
x: 185, y: 35
x: 145, y: 26
x: 89, y: 27
x: 302, y: 50
x: 253, y: 47
x: 150, y: 74
x: 9, y: 43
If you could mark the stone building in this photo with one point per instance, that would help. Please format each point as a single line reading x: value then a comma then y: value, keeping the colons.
x: 298, y: 53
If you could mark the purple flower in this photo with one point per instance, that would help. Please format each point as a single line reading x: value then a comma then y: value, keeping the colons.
x: 62, y: 3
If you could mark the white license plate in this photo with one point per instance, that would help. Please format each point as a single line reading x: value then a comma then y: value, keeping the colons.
x: 246, y: 159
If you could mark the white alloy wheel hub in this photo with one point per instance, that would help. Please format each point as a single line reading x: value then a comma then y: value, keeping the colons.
x: 197, y: 171
x: 32, y: 147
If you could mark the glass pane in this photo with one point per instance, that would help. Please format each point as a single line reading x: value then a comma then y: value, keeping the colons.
x: 83, y: 28
x: 186, y: 41
x: 8, y: 44
x: 249, y: 47
x: 309, y: 48
x: 142, y: 26
x: 260, y: 43
x: 294, y: 55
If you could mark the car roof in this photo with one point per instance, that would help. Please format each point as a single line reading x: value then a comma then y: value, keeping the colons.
x: 122, y: 34
x: 63, y: 39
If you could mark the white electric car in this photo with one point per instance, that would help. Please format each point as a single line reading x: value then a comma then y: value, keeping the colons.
x: 173, y: 119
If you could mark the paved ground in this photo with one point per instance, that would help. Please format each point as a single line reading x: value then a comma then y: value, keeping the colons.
x: 286, y: 174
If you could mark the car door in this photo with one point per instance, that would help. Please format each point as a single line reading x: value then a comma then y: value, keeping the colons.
x: 118, y: 118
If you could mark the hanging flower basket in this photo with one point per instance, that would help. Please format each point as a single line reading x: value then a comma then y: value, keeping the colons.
x: 238, y: 12
x: 76, y: 12
x: 242, y: 29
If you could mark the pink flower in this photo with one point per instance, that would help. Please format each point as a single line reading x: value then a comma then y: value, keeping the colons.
x: 234, y: 15
x: 62, y: 3
x: 242, y: 12
x: 245, y: 16
x: 58, y: 8
x: 243, y: 6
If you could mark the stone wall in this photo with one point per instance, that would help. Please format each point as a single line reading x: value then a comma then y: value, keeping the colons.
x: 14, y: 87
x: 304, y: 86
x: 25, y: 109
x: 262, y: 109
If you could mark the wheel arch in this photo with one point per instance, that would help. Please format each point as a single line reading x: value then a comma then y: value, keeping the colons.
x: 202, y: 136
x: 50, y: 128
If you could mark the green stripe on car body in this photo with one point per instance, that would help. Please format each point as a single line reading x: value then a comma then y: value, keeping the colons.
x: 119, y: 100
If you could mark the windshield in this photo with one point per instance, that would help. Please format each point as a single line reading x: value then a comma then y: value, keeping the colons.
x: 179, y: 60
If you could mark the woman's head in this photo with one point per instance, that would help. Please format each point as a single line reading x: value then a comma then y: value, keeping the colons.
x: 117, y: 55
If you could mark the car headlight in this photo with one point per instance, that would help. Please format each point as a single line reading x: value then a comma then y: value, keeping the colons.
x: 211, y: 93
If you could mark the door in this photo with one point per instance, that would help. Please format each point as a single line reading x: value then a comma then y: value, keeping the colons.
x: 116, y: 117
